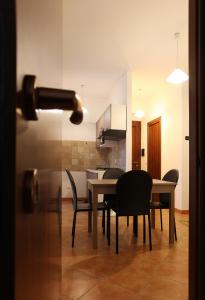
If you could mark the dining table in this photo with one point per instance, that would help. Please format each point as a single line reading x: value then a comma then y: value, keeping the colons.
x: 108, y: 186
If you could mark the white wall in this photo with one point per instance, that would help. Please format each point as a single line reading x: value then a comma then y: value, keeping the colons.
x: 121, y: 93
x: 118, y: 93
x: 83, y: 132
x: 80, y: 181
x: 185, y: 147
x: 171, y: 103
x: 129, y: 123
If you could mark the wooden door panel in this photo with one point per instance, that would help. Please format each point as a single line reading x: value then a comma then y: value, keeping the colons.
x: 136, y: 145
x: 37, y: 233
x: 154, y: 148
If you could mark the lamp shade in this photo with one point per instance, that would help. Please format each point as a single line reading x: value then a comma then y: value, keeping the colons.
x: 177, y: 76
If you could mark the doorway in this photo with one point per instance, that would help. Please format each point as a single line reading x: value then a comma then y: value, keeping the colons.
x: 154, y: 148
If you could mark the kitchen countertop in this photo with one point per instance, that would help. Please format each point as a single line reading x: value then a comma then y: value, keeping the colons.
x: 95, y: 171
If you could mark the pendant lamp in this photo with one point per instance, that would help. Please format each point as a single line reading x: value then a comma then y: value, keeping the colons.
x: 177, y: 76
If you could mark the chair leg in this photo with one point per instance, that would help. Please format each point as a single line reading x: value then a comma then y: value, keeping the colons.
x: 175, y: 230
x: 161, y: 220
x: 128, y: 221
x: 144, y: 229
x: 135, y: 225
x: 73, y: 228
x: 150, y: 233
x: 108, y: 226
x: 116, y: 234
x: 103, y: 221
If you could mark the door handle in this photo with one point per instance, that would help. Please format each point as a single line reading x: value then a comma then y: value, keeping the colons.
x: 32, y: 98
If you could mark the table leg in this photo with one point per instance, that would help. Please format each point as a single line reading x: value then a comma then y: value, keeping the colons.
x: 171, y: 218
x: 89, y: 197
x: 95, y: 221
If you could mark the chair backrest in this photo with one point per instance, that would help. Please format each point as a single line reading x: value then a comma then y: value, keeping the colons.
x: 134, y: 193
x: 113, y: 173
x: 74, y: 190
x: 172, y: 176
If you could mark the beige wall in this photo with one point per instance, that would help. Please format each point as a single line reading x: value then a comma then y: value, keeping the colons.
x: 169, y: 102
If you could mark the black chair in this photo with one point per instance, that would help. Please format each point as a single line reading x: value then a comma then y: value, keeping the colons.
x: 133, y: 194
x: 79, y: 206
x: 164, y: 199
x: 112, y: 173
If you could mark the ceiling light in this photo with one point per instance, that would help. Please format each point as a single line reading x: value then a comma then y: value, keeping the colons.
x: 177, y: 76
x: 139, y: 114
x: 85, y: 111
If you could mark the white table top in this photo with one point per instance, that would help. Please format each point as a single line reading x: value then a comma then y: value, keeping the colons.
x: 110, y: 182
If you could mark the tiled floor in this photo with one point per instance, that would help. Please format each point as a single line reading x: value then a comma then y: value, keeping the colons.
x: 135, y: 273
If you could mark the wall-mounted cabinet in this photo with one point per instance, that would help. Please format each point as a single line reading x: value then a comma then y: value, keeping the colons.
x: 112, y: 124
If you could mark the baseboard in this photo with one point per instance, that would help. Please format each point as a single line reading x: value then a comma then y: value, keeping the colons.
x: 182, y: 211
x: 66, y: 199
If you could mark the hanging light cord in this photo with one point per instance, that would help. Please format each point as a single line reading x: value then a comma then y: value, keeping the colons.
x: 177, y: 35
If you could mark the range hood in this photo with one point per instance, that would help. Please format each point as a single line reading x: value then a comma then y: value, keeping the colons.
x: 110, y: 137
x: 113, y: 134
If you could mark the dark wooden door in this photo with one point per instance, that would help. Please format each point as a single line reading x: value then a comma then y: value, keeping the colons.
x: 7, y: 149
x: 154, y: 148
x: 38, y: 244
x: 136, y: 145
x: 30, y: 251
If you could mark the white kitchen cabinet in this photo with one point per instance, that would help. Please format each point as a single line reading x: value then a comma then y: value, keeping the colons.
x: 118, y: 117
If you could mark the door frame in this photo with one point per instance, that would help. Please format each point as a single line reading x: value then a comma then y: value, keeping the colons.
x: 7, y: 149
x: 196, y: 148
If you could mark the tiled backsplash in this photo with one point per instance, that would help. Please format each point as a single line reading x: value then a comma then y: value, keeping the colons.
x: 82, y: 155
x: 117, y: 155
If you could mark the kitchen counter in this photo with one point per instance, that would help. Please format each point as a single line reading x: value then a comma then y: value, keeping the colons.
x: 96, y: 171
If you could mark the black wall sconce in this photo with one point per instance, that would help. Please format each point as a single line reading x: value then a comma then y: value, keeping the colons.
x: 32, y: 98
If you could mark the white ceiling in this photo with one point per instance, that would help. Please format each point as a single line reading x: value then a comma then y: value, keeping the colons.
x: 104, y: 39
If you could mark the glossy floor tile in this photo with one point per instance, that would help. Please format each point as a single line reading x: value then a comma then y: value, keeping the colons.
x: 135, y: 273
